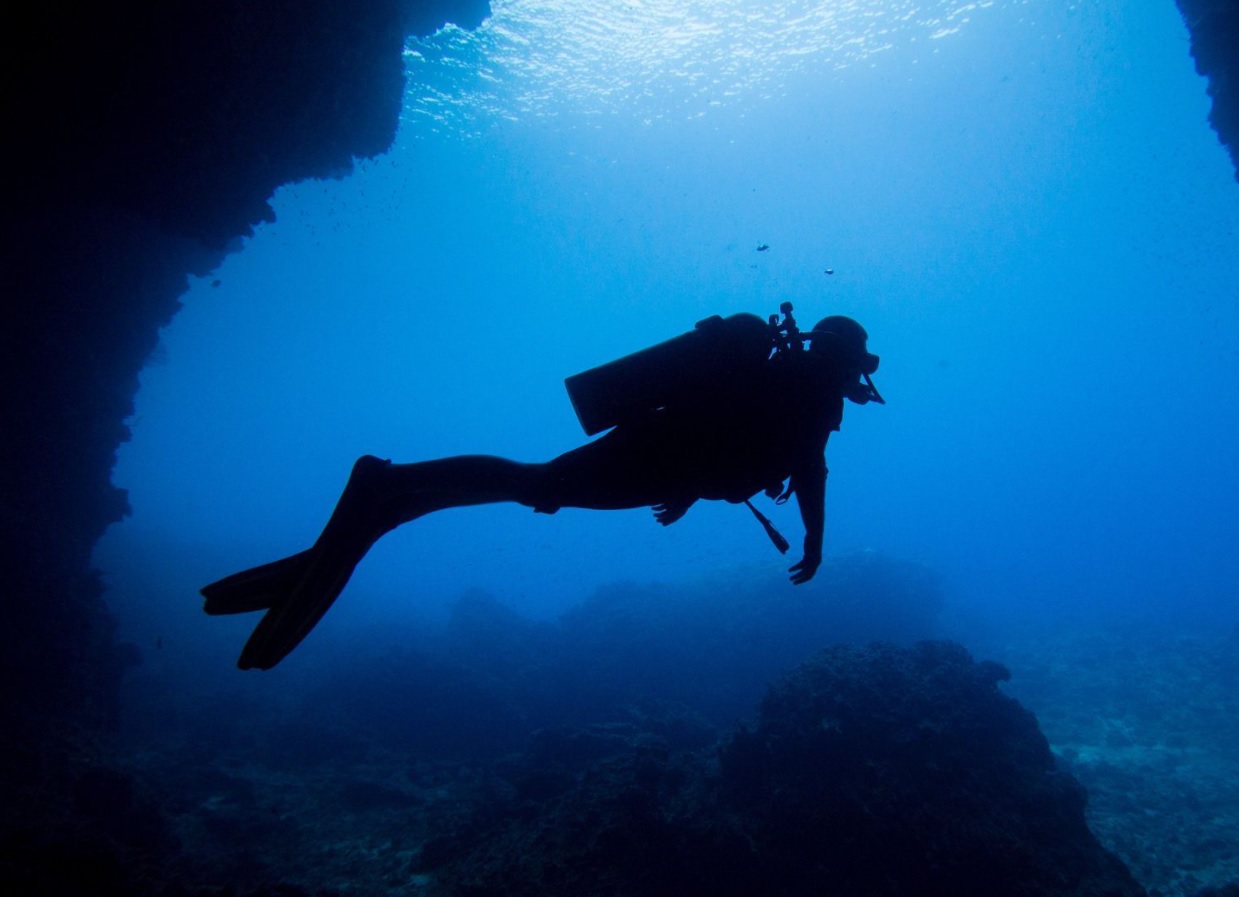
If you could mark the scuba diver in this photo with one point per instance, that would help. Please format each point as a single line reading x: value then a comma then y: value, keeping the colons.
x: 734, y: 407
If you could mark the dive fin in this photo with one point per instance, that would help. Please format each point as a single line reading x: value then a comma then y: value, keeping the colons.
x: 290, y: 619
x: 258, y: 588
x: 298, y: 590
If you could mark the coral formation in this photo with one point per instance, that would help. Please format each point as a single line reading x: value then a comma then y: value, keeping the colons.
x: 875, y: 770
x: 388, y: 776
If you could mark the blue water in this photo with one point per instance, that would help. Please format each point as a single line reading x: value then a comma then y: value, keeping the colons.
x: 1021, y: 201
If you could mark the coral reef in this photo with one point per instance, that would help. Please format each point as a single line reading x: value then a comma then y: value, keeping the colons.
x: 397, y: 775
x: 875, y: 770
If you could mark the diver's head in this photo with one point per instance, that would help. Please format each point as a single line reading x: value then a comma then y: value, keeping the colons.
x: 845, y: 340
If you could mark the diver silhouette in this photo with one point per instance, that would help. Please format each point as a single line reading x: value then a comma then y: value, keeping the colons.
x: 735, y: 407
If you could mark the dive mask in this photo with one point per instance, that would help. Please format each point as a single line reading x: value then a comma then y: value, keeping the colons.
x: 845, y: 339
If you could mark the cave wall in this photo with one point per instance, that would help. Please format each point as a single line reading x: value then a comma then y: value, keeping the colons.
x: 142, y: 141
x: 1214, y: 27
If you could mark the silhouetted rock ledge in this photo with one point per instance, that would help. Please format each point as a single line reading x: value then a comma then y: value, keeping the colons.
x: 143, y: 139
x: 870, y: 771
x: 1214, y: 26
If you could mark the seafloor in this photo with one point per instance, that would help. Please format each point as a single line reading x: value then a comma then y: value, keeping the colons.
x: 1148, y: 721
x: 504, y: 750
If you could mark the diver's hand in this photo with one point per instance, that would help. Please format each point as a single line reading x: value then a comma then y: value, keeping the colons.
x: 669, y: 512
x: 803, y: 571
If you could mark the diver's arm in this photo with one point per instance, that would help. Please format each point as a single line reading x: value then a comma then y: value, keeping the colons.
x: 810, y: 488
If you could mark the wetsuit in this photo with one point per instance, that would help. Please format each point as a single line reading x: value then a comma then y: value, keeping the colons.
x: 746, y: 437
x: 756, y: 430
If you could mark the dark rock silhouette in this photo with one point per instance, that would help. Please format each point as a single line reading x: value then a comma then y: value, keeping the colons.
x: 149, y: 138
x: 145, y: 138
x: 1214, y: 26
x: 872, y: 770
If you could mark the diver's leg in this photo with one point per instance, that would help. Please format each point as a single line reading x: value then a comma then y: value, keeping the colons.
x: 602, y: 475
x: 379, y: 496
x: 414, y: 490
x: 616, y: 471
x: 627, y: 468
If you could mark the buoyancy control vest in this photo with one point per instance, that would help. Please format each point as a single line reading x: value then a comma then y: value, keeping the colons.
x: 706, y: 364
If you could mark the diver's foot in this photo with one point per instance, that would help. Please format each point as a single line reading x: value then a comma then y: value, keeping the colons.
x: 363, y: 505
x: 380, y: 496
x: 367, y: 473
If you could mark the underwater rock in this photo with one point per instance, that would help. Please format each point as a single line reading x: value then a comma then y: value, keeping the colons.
x: 111, y: 844
x: 870, y: 771
x: 146, y: 139
x: 1214, y: 27
x: 886, y: 770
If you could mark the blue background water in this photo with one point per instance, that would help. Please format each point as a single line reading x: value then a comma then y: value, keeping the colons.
x: 1021, y: 201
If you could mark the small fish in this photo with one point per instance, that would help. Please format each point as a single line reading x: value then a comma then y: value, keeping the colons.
x: 763, y: 247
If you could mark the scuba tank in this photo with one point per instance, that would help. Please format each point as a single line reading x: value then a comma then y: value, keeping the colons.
x: 690, y: 369
x: 681, y: 370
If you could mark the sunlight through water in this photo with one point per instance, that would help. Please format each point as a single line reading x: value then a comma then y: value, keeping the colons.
x: 657, y: 59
